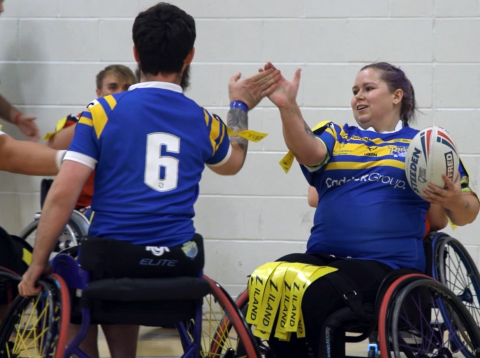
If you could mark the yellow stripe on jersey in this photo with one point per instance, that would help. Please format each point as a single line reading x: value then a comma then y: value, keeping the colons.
x: 111, y: 101
x: 207, y: 117
x: 365, y: 165
x: 221, y: 139
x: 99, y: 118
x: 214, y: 133
x: 85, y: 120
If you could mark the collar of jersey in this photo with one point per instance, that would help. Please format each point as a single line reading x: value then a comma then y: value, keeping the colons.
x: 157, y: 84
x: 398, y: 127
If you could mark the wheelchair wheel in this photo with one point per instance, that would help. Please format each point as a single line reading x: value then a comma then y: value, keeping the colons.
x: 37, y: 326
x: 225, y: 333
x: 426, y: 319
x: 456, y: 269
x: 242, y: 304
x: 76, y: 228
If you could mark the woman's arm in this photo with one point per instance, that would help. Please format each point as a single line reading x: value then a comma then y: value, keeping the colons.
x: 437, y: 217
x: 312, y: 196
x: 461, y: 207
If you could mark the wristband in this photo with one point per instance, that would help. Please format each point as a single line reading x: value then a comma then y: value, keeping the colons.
x: 240, y: 105
x: 17, y: 117
x: 59, y: 158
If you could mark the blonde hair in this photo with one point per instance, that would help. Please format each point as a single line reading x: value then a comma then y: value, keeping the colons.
x: 120, y: 71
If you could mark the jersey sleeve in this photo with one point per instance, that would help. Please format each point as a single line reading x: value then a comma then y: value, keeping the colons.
x: 84, y: 147
x: 327, y: 134
x: 465, y: 182
x: 218, y: 138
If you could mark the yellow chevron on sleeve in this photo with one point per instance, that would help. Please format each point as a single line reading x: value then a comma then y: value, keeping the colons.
x: 207, y: 117
x: 111, y: 101
x: 221, y: 139
x: 320, y: 125
x: 99, y: 118
x: 87, y: 121
x: 214, y: 133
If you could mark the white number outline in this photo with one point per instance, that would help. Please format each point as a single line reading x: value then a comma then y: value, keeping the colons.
x: 154, y: 162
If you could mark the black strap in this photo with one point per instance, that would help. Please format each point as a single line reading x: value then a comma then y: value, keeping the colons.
x: 350, y: 295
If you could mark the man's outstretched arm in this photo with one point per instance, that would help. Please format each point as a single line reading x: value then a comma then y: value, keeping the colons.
x: 28, y: 158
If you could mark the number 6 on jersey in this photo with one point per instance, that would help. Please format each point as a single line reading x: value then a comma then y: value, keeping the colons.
x: 154, y: 161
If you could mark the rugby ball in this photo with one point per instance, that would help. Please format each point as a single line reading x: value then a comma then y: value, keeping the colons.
x: 431, y: 153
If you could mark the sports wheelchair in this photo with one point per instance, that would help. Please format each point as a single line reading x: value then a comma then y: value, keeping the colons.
x: 198, y: 307
x: 76, y: 228
x: 415, y: 315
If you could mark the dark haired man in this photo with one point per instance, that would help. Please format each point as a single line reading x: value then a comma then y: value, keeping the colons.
x: 149, y: 146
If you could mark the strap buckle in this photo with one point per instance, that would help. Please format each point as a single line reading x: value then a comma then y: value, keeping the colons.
x: 350, y: 295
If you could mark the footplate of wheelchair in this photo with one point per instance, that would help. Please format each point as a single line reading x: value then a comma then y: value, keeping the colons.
x: 147, y: 302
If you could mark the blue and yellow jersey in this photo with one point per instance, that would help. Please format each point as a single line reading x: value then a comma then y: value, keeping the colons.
x: 366, y: 208
x: 149, y: 146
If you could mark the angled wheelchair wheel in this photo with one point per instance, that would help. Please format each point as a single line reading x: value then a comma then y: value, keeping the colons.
x: 224, y: 331
x: 76, y: 228
x: 242, y: 304
x: 37, y: 326
x: 455, y: 268
x: 425, y: 319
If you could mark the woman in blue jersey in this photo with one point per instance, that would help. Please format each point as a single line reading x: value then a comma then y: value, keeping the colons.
x: 368, y: 221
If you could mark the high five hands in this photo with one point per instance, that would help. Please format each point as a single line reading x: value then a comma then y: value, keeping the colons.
x: 285, y: 93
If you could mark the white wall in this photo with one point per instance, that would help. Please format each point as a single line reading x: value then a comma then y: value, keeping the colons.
x: 50, y: 51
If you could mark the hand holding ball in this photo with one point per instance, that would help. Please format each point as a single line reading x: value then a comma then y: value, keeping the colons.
x: 431, y: 154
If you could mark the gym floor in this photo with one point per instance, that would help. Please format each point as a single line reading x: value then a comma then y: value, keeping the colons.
x: 161, y: 342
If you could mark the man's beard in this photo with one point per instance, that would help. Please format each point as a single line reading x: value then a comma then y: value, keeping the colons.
x: 184, y: 81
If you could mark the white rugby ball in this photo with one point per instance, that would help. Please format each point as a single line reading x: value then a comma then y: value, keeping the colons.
x: 431, y: 153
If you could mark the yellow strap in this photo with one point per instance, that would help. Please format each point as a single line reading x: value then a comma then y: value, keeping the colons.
x: 256, y: 288
x: 272, y: 298
x: 291, y: 274
x: 300, y: 285
x: 287, y: 161
x: 250, y: 135
x: 0, y: 127
x: 280, y: 287
x: 27, y: 256
x: 301, y: 326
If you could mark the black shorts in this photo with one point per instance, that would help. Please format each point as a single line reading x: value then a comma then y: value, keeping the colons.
x: 108, y: 258
x: 12, y: 252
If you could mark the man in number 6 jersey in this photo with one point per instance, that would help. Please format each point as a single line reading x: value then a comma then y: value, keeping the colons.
x: 149, y: 146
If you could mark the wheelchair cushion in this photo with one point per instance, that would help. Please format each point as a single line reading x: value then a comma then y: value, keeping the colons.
x: 147, y: 289
x: 146, y: 302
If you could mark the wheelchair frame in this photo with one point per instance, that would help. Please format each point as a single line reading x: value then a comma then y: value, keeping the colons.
x: 391, y: 285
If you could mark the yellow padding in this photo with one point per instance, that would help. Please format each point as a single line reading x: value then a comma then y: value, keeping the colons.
x: 27, y: 257
x: 279, y: 287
